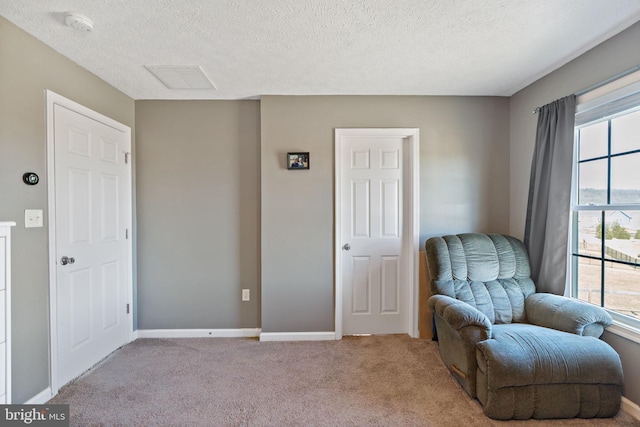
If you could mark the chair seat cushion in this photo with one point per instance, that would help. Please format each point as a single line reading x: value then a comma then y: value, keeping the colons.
x: 524, y: 354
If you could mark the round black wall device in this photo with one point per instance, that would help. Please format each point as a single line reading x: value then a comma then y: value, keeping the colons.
x: 30, y: 178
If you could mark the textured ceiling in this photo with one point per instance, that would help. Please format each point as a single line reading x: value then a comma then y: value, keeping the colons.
x: 304, y: 47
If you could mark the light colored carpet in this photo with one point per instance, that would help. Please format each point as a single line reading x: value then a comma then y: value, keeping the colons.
x: 365, y: 381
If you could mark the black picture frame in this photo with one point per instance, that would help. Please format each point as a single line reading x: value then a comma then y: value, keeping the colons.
x: 298, y: 160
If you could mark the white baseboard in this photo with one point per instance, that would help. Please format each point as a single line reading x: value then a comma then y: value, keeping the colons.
x: 40, y: 398
x: 298, y: 336
x: 630, y: 408
x: 197, y: 333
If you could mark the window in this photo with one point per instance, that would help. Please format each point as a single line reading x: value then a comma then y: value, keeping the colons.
x: 605, y: 252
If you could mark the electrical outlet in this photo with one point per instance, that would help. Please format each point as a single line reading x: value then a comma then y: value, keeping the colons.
x: 246, y: 296
x: 33, y: 218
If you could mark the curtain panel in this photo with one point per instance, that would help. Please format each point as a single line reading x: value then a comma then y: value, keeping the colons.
x: 548, y: 208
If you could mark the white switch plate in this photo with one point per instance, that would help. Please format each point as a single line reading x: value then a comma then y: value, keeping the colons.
x: 33, y: 218
x: 246, y: 295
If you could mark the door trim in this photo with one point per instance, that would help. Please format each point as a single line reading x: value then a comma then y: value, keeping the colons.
x: 411, y: 216
x: 52, y: 99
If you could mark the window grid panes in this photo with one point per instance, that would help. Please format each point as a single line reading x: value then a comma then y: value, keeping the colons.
x: 605, y: 260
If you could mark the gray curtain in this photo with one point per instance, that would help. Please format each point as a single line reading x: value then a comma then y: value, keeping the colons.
x: 547, y: 225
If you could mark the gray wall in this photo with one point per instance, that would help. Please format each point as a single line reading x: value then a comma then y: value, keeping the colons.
x: 198, y: 174
x: 27, y: 68
x: 614, y: 56
x: 464, y: 161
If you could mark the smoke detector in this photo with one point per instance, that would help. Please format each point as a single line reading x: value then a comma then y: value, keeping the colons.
x: 78, y: 21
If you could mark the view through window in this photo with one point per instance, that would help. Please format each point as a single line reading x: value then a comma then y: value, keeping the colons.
x: 606, y: 214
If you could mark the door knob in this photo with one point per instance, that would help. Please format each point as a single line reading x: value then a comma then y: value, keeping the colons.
x: 346, y: 247
x: 66, y: 260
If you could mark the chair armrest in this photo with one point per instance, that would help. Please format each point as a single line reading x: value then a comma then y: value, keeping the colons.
x: 566, y: 314
x: 458, y: 314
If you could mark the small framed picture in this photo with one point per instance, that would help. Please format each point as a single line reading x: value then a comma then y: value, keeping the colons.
x: 297, y: 161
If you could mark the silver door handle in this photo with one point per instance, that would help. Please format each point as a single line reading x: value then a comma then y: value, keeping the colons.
x: 66, y: 260
x: 346, y: 247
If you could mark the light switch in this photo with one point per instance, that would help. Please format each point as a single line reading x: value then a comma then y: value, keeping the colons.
x: 33, y: 218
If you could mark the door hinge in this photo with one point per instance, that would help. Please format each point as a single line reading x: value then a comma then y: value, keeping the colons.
x: 127, y: 308
x: 126, y: 233
x: 126, y: 158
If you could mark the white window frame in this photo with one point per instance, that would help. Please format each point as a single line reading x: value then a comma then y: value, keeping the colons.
x: 619, y: 96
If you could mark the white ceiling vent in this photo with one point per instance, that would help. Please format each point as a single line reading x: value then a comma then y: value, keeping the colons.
x: 181, y: 77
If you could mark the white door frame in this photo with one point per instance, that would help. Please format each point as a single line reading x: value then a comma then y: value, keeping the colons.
x: 411, y: 216
x: 52, y: 99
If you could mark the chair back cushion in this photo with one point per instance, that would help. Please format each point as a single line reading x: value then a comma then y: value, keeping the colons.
x: 490, y: 272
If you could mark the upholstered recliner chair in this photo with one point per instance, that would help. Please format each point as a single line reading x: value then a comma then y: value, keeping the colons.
x: 522, y: 354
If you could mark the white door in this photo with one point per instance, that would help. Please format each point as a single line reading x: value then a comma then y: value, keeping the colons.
x: 374, y: 280
x: 92, y: 271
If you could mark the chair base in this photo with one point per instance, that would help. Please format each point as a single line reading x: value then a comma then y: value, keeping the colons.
x: 552, y: 401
